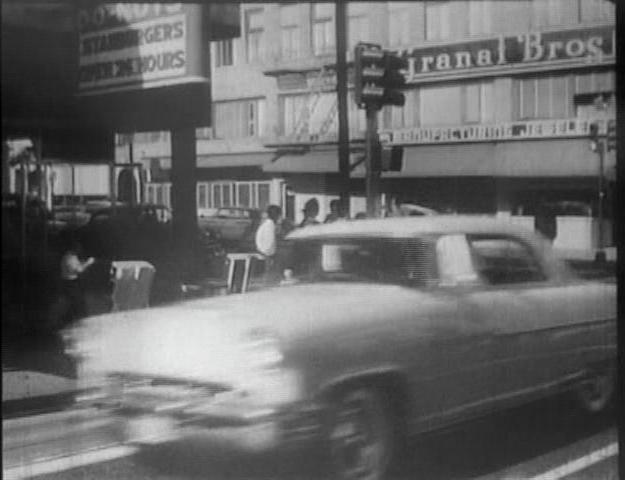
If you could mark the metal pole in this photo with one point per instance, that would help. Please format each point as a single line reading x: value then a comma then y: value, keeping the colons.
x: 601, y: 193
x: 372, y: 181
x: 341, y: 91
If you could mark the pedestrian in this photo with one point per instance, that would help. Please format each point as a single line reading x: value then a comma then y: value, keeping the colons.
x: 266, y: 238
x: 336, y: 212
x: 72, y: 289
x: 311, y: 210
x: 266, y: 235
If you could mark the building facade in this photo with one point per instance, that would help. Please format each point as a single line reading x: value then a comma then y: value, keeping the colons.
x: 499, y: 100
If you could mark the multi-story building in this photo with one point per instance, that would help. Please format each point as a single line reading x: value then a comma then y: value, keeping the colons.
x: 499, y: 99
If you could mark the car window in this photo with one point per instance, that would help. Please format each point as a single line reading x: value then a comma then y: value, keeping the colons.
x: 504, y: 260
x: 455, y: 263
x: 368, y: 259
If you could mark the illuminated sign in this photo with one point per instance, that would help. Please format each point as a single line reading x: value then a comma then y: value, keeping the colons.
x: 521, y: 130
x: 129, y: 46
x: 520, y: 52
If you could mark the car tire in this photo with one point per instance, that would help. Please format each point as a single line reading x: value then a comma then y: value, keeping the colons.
x: 595, y: 393
x: 361, y: 438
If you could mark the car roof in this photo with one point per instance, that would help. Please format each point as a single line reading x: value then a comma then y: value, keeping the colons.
x: 398, y: 227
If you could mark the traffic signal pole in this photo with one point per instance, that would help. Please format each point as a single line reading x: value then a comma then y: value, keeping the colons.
x: 372, y: 163
x: 378, y: 79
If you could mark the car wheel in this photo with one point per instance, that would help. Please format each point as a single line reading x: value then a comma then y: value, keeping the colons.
x: 594, y: 394
x: 360, y: 435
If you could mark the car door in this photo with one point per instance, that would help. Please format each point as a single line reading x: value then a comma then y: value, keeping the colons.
x: 452, y: 373
x: 532, y: 315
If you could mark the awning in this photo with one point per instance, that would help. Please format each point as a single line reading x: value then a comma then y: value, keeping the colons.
x: 323, y: 161
x: 234, y: 160
x: 523, y: 158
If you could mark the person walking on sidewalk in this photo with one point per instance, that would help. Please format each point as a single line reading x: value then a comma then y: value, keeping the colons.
x: 72, y: 289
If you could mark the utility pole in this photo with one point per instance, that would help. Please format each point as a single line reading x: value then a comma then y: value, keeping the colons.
x: 341, y: 91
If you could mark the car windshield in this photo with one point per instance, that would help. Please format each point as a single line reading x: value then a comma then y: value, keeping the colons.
x: 380, y: 260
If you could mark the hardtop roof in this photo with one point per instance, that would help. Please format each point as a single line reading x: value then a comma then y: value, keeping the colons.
x: 412, y: 226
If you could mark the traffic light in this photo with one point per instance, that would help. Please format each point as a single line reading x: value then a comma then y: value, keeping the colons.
x: 392, y: 158
x: 377, y: 76
x: 611, y: 138
x: 593, y: 134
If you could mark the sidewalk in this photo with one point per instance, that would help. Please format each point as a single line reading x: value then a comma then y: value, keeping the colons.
x: 36, y: 376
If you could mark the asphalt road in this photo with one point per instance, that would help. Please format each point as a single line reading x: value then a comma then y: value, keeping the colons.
x: 545, y: 440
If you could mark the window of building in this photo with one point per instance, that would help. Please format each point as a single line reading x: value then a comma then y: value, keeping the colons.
x: 289, y: 31
x: 597, y: 11
x: 323, y: 37
x: 480, y: 17
x: 401, y: 117
x: 224, y: 53
x: 441, y: 105
x: 399, y: 26
x: 478, y: 102
x: 357, y: 24
x: 254, y: 34
x: 551, y: 13
x: 238, y: 119
x: 158, y: 193
x: 202, y: 195
x: 249, y: 194
x: 544, y: 97
x: 437, y: 20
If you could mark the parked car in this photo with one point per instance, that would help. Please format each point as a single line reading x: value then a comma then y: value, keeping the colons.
x: 232, y: 224
x: 381, y: 328
x: 128, y: 232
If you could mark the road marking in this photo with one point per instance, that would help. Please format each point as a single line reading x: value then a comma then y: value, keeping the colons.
x: 61, y: 464
x: 579, y: 463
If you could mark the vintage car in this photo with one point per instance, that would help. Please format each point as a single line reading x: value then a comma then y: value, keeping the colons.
x: 381, y: 328
x: 232, y: 224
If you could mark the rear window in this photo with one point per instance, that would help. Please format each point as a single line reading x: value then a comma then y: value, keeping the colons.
x: 369, y: 260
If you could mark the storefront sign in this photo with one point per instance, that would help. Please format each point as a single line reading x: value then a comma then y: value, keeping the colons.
x: 521, y: 130
x: 532, y: 49
x: 128, y: 46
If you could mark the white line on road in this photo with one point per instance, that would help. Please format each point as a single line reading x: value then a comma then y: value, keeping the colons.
x: 61, y: 464
x: 579, y: 463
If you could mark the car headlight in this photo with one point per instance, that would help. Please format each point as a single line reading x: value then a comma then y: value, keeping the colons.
x: 267, y: 380
x: 261, y: 349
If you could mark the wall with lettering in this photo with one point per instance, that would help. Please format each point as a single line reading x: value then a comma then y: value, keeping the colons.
x: 534, y: 51
x: 127, y: 46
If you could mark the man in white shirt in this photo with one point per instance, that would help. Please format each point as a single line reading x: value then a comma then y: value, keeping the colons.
x: 266, y: 240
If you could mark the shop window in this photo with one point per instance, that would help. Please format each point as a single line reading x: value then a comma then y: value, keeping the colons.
x: 243, y: 194
x: 437, y: 20
x: 224, y: 53
x: 254, y: 31
x: 263, y: 195
x: 323, y: 37
x: 289, y: 31
x: 202, y: 195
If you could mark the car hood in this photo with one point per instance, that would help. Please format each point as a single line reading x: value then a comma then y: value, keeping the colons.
x: 209, y: 338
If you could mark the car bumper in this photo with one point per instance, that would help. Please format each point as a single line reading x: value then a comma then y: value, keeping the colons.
x: 243, y: 426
